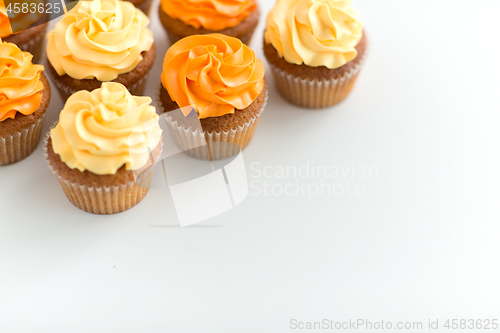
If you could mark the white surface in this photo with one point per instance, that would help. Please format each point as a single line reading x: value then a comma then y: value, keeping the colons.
x: 421, y: 242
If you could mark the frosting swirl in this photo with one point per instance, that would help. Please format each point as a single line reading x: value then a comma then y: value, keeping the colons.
x: 215, y: 73
x: 314, y: 32
x: 213, y: 15
x: 17, y: 22
x: 102, y: 130
x: 20, y: 83
x: 99, y: 39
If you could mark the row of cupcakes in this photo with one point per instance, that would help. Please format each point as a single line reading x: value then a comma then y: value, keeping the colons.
x: 315, y: 48
x: 99, y: 56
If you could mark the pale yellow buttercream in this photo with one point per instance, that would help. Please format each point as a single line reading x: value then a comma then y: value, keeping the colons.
x: 99, y: 39
x: 314, y: 32
x: 102, y: 130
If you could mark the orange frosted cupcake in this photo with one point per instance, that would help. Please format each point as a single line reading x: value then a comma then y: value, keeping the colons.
x: 24, y: 98
x: 104, y: 148
x: 100, y: 41
x: 236, y: 18
x: 26, y: 30
x: 219, y: 78
x: 316, y: 49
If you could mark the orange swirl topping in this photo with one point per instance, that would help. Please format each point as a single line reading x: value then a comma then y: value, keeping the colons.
x: 215, y: 73
x: 19, y: 82
x: 213, y: 15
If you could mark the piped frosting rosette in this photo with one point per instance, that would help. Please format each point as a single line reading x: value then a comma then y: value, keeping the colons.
x: 20, y: 96
x: 99, y: 39
x: 103, y: 130
x: 314, y: 32
x: 19, y: 82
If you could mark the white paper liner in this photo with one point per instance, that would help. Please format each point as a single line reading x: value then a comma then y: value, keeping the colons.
x: 15, y: 147
x: 103, y: 200
x: 317, y: 93
x: 210, y: 146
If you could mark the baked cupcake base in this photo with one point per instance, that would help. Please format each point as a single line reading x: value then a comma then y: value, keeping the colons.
x: 20, y: 136
x: 176, y: 29
x: 315, y: 87
x: 101, y: 194
x: 220, y: 137
x: 135, y: 81
x: 144, y: 5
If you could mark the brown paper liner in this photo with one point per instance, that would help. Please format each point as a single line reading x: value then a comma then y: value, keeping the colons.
x: 316, y: 93
x: 136, y: 89
x: 210, y: 146
x: 18, y: 146
x: 103, y: 200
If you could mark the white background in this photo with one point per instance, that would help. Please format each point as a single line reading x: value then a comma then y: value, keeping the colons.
x: 421, y: 243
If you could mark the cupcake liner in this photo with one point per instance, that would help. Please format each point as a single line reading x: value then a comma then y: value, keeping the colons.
x: 103, y: 200
x: 65, y: 92
x: 18, y: 146
x: 315, y: 93
x: 210, y: 146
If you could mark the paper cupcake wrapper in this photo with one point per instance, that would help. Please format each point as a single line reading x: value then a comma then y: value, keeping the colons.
x: 210, y: 146
x: 103, y: 200
x: 317, y: 93
x: 18, y: 146
x: 136, y: 89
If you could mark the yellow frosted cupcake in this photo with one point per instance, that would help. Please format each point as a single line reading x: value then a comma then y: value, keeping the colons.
x: 316, y: 49
x: 104, y: 148
x: 24, y: 98
x: 100, y: 41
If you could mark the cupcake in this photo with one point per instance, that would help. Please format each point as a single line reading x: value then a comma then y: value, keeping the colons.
x: 219, y: 78
x: 24, y: 98
x: 100, y: 41
x: 26, y: 30
x: 236, y: 18
x: 316, y: 49
x: 104, y: 148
